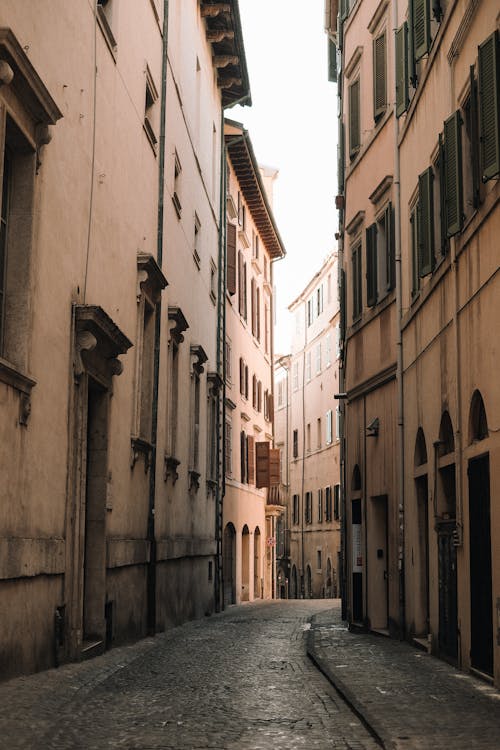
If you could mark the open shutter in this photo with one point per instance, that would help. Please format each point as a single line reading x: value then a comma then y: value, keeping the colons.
x: 489, y: 106
x: 243, y: 456
x: 253, y: 305
x: 421, y: 27
x: 379, y: 76
x: 354, y: 121
x: 342, y: 305
x: 453, y: 174
x: 402, y: 83
x: 262, y: 464
x: 474, y: 137
x: 426, y: 222
x: 274, y: 466
x: 341, y: 158
x: 371, y: 265
x: 240, y: 282
x: 251, y: 459
x: 231, y: 258
x: 390, y: 247
x: 242, y: 376
x: 332, y: 61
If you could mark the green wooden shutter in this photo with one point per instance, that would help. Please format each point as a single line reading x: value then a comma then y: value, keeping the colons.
x: 371, y: 265
x: 421, y: 28
x: 332, y: 61
x: 231, y: 258
x: 453, y: 174
x: 415, y: 277
x: 426, y: 222
x: 390, y: 248
x: 412, y: 66
x: 489, y: 105
x: 442, y: 197
x: 379, y: 76
x: 474, y: 138
x: 354, y: 119
x: 342, y: 305
x: 356, y: 282
x: 402, y: 83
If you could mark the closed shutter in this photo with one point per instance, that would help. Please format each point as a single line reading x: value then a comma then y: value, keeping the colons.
x: 379, y: 76
x: 489, y: 106
x: 453, y: 174
x: 474, y: 138
x: 356, y: 282
x: 402, y: 84
x: 240, y: 283
x: 342, y: 305
x: 253, y: 303
x: 341, y: 158
x: 354, y: 119
x: 251, y: 459
x: 274, y: 466
x: 426, y: 222
x: 332, y: 61
x: 371, y: 265
x: 390, y: 239
x: 242, y: 377
x: 243, y: 456
x: 442, y: 196
x: 231, y: 258
x: 421, y: 28
x: 262, y: 464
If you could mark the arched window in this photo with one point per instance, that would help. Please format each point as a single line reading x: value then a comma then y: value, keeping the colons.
x: 478, y: 424
x: 356, y: 479
x: 446, y: 438
x: 420, y: 457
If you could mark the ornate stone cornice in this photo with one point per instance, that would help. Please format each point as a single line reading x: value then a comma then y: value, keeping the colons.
x: 150, y: 278
x: 177, y: 323
x: 198, y: 358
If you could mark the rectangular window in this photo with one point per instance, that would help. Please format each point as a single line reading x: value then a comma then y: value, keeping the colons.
x: 259, y: 396
x: 231, y: 258
x: 354, y: 119
x: 453, y: 174
x: 227, y: 361
x: 402, y: 73
x: 295, y: 451
x: 336, y: 502
x: 415, y: 255
x: 254, y: 391
x: 328, y: 350
x: 308, y: 437
x: 195, y: 423
x: 319, y: 300
x: 319, y: 564
x: 371, y: 265
x: 318, y: 433
x: 213, y: 281
x: 243, y: 457
x: 176, y: 196
x: 426, y: 222
x: 308, y: 508
x: 379, y: 76
x: 251, y: 459
x: 320, y: 506
x: 151, y: 110
x: 318, y: 358
x: 229, y: 448
x: 295, y: 376
x: 308, y: 366
x: 356, y: 282
x: 295, y: 512
x: 329, y: 427
x: 337, y: 423
x: 328, y: 503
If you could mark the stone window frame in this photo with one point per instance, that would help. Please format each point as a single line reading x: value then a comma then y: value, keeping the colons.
x: 27, y: 113
x: 198, y: 358
x: 177, y: 326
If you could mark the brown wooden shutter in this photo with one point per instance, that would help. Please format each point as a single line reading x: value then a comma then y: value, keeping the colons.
x: 242, y: 377
x: 390, y: 240
x: 371, y: 265
x: 243, y: 456
x: 253, y: 303
x: 241, y: 293
x: 231, y: 258
x: 354, y: 119
x: 251, y: 459
x: 274, y: 466
x: 262, y: 464
x: 489, y: 106
x: 379, y: 76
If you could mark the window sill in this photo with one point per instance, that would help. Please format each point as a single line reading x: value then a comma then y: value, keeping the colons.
x: 11, y: 376
x: 139, y: 447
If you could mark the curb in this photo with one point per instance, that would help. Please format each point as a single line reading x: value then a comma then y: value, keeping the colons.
x: 371, y: 723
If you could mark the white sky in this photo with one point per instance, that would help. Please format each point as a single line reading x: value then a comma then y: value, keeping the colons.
x: 293, y: 127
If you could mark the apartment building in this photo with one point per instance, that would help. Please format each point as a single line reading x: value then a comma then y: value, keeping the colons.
x: 111, y: 155
x: 250, y: 506
x: 418, y: 193
x: 308, y: 433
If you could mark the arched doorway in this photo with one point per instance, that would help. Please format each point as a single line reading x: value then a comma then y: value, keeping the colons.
x: 257, y: 589
x: 308, y: 583
x: 293, y: 583
x: 481, y: 591
x: 446, y: 530
x: 229, y: 564
x: 420, y: 559
x: 245, y: 564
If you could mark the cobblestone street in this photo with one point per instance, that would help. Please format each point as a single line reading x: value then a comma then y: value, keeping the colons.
x: 237, y: 681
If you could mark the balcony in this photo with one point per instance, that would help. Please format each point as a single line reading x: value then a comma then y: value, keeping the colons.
x: 277, y: 495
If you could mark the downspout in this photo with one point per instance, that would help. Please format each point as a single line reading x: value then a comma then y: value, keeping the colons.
x: 399, y: 354
x: 302, y: 557
x: 151, y: 573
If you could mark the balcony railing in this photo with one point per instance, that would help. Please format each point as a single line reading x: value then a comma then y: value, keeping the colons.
x: 277, y: 494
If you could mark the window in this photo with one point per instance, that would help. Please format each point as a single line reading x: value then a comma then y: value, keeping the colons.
x: 246, y: 381
x: 268, y: 406
x: 329, y: 289
x: 308, y: 508
x: 308, y: 366
x: 356, y: 282
x: 318, y: 433
x: 196, y: 240
x: 151, y: 110
x: 421, y: 23
x: 328, y: 503
x: 318, y: 358
x: 254, y: 391
x: 105, y: 10
x: 415, y: 255
x: 319, y: 300
x: 213, y: 281
x: 308, y: 437
x: 337, y: 423
x: 295, y: 510
x: 212, y: 425
x: 259, y: 396
x: 242, y: 285
x: 402, y: 72
x: 227, y: 362
x: 320, y: 506
x: 255, y: 245
x: 379, y: 76
x: 354, y: 119
x: 266, y: 324
x: 251, y: 459
x: 295, y: 376
x: 231, y: 258
x: 426, y: 222
x: 453, y: 174
x: 310, y: 311
x: 281, y: 392
x: 295, y: 451
x: 328, y: 350
x: 329, y: 427
x: 336, y: 502
x: 371, y: 265
x: 242, y: 376
x: 318, y: 560
x: 243, y: 457
x: 176, y: 197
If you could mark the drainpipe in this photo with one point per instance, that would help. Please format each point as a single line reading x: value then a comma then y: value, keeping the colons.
x: 399, y: 356
x: 151, y: 574
x: 301, y: 505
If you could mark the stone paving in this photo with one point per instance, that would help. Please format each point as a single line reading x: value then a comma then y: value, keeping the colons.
x: 410, y: 700
x: 240, y: 680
